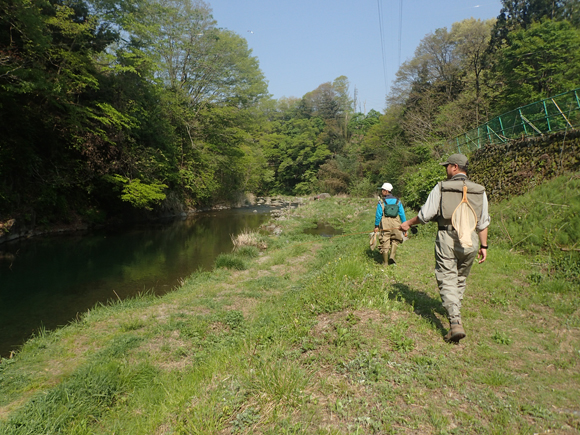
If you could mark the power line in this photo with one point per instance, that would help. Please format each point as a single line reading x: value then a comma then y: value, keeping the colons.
x: 382, y: 43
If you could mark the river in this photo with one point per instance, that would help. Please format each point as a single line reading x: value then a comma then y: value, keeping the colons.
x: 47, y: 281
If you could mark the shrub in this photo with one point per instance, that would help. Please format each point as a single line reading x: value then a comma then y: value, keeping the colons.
x: 362, y: 188
x: 419, y: 183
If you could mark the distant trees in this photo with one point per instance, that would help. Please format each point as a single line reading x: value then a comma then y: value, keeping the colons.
x: 440, y: 89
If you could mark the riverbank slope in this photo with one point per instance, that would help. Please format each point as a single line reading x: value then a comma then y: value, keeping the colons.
x: 312, y: 335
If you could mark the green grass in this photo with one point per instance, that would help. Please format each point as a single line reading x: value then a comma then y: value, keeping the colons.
x: 315, y: 336
x: 230, y: 261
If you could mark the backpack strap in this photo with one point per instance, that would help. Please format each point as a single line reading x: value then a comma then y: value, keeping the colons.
x: 440, y: 197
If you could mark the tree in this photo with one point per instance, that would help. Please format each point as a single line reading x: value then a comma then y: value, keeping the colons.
x: 430, y: 80
x: 472, y: 41
x: 440, y: 59
x: 293, y: 149
x: 208, y: 82
x: 538, y: 62
x: 520, y: 14
x: 359, y: 123
x: 321, y: 102
x: 47, y: 75
x: 345, y: 102
x: 334, y: 177
x: 571, y: 12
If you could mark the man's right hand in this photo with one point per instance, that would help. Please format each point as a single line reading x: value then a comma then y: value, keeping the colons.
x: 408, y: 224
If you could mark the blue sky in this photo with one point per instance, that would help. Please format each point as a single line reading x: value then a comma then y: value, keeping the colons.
x: 303, y: 43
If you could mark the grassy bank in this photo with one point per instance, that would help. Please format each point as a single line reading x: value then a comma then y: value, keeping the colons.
x: 313, y: 335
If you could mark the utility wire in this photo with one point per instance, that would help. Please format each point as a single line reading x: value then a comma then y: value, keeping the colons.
x: 382, y: 43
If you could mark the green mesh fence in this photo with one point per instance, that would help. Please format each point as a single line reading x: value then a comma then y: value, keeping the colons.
x: 553, y: 114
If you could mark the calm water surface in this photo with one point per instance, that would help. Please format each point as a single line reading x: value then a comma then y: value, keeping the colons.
x: 323, y: 229
x: 52, y: 279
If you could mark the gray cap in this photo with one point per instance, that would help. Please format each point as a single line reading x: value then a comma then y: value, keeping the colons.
x: 455, y: 159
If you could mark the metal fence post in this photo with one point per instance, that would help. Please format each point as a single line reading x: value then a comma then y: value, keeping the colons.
x: 547, y: 117
x: 523, y: 123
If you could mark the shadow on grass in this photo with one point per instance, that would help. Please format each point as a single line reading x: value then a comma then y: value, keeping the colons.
x: 423, y: 304
x: 375, y: 255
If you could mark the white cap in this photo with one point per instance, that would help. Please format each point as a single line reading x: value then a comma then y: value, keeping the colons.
x: 387, y: 186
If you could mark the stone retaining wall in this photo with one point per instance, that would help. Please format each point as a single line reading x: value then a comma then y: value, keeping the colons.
x: 518, y: 166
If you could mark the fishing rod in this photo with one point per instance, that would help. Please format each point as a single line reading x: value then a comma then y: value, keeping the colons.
x: 413, y: 231
x: 384, y: 230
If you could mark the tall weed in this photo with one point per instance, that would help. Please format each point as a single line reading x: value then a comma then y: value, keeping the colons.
x: 90, y: 392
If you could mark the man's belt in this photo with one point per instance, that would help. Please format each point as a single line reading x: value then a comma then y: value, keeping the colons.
x: 446, y: 228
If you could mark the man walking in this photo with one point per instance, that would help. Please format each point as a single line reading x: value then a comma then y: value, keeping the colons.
x: 388, y: 218
x: 453, y: 259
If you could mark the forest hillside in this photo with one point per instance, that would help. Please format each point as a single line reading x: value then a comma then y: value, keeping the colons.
x: 115, y: 110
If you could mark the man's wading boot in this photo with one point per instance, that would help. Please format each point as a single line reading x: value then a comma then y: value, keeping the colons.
x: 386, y: 258
x: 456, y: 331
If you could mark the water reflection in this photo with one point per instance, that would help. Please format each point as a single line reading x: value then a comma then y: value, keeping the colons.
x: 323, y: 229
x: 51, y: 279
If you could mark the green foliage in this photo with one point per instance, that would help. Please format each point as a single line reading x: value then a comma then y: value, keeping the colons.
x: 138, y: 194
x: 362, y: 188
x: 104, y: 110
x: 366, y: 366
x: 567, y: 266
x: 334, y: 177
x: 48, y: 80
x: 420, y: 182
x: 296, y: 153
x: 400, y: 339
x: 360, y: 123
x: 245, y: 420
x: 179, y: 106
x: 517, y: 14
x: 448, y: 87
x: 531, y: 63
x: 279, y: 382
